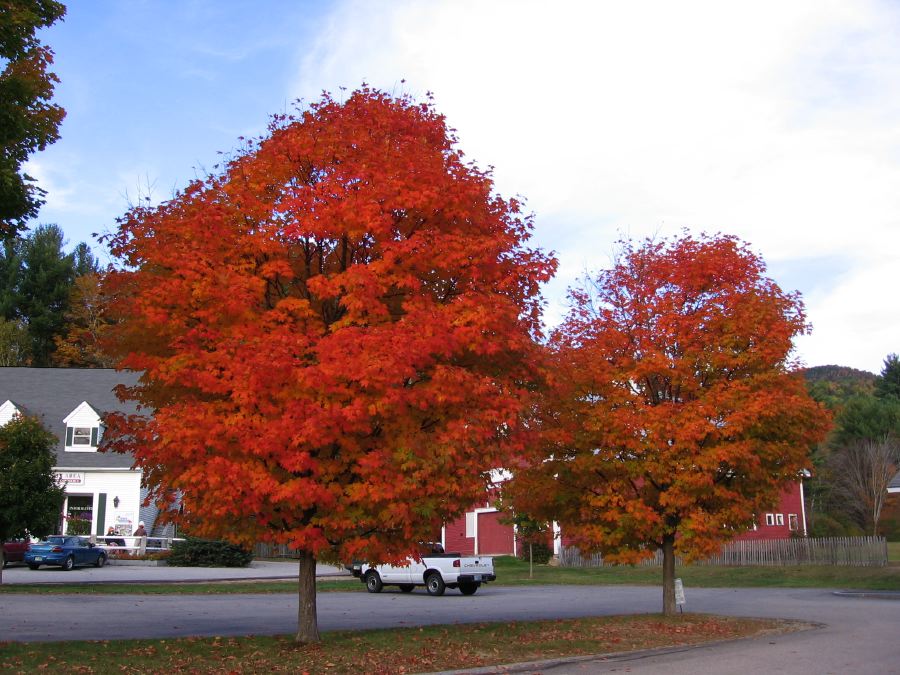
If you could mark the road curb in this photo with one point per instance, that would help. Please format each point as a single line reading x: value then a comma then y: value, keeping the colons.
x: 879, y: 595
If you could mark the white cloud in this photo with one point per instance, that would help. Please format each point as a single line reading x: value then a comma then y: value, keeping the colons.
x: 778, y: 122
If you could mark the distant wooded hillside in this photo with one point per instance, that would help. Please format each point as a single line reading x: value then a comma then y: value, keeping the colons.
x: 834, y: 385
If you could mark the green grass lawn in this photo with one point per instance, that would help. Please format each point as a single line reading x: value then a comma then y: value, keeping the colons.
x: 894, y: 552
x: 513, y: 572
x: 379, y: 652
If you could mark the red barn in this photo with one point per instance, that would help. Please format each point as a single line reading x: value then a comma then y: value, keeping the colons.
x: 481, y: 532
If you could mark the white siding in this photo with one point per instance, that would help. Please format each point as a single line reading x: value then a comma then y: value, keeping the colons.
x: 7, y: 411
x: 126, y: 485
x: 83, y: 416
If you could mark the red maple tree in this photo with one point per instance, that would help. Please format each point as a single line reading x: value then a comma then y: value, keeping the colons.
x: 335, y: 335
x: 676, y: 415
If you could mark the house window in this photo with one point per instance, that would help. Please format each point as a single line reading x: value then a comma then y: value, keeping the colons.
x: 779, y: 519
x: 793, y: 522
x: 770, y: 519
x: 82, y: 438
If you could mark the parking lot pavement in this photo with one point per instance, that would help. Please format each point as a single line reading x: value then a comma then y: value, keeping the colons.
x: 18, y: 573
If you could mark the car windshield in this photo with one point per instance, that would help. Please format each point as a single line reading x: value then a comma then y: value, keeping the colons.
x: 55, y: 540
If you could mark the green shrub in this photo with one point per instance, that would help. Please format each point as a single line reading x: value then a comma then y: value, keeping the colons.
x: 829, y: 526
x: 539, y: 550
x: 205, y: 553
x: 77, y: 527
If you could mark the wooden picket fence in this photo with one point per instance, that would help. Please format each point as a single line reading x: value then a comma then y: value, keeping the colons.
x: 848, y: 551
x: 266, y: 550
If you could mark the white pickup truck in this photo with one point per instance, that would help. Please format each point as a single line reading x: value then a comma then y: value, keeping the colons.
x: 436, y: 571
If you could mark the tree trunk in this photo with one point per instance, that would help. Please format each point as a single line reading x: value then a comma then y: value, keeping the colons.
x: 530, y: 560
x: 2, y: 561
x: 668, y: 548
x: 307, y: 621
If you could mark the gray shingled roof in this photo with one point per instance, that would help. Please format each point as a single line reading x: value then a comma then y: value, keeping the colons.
x: 894, y: 485
x: 52, y: 393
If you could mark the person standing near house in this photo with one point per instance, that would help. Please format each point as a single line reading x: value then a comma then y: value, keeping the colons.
x: 140, y: 531
x: 118, y: 541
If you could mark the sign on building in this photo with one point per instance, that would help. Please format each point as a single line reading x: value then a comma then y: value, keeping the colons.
x: 70, y: 477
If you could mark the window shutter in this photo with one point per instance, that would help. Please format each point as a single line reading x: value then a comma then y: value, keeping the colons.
x: 101, y: 515
x: 68, y: 436
x: 94, y: 437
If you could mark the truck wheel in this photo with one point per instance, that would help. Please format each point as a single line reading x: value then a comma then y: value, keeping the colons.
x: 406, y: 588
x: 373, y: 582
x: 68, y: 563
x: 434, y: 584
x: 468, y: 589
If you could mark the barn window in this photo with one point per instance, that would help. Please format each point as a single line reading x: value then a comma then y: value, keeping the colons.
x: 470, y: 524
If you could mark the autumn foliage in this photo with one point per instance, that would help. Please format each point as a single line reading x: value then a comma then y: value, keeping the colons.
x: 676, y: 415
x: 335, y: 333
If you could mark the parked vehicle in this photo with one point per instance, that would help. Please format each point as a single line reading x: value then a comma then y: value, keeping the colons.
x: 436, y: 571
x: 14, y: 550
x: 66, y: 552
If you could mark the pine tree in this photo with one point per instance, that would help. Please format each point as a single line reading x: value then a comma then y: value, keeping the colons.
x: 887, y: 384
x: 42, y: 293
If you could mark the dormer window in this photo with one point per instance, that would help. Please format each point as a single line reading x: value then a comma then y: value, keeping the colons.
x: 84, y: 436
x: 83, y: 429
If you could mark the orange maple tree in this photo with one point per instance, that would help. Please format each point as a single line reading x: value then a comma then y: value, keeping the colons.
x: 86, y: 324
x: 676, y: 414
x: 335, y: 335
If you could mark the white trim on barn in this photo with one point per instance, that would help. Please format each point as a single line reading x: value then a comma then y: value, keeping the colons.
x: 803, y: 508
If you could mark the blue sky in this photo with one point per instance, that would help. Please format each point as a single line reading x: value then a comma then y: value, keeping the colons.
x: 777, y: 122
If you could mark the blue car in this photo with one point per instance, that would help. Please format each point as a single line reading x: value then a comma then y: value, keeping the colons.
x: 66, y: 552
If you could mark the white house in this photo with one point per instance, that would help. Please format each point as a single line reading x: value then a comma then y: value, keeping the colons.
x: 101, y: 488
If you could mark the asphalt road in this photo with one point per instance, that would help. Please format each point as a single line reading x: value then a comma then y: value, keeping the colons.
x: 860, y: 635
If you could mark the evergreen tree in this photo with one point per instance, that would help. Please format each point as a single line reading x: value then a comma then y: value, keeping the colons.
x: 85, y: 262
x: 10, y: 275
x: 37, y: 288
x: 866, y: 418
x: 42, y: 295
x: 887, y: 384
